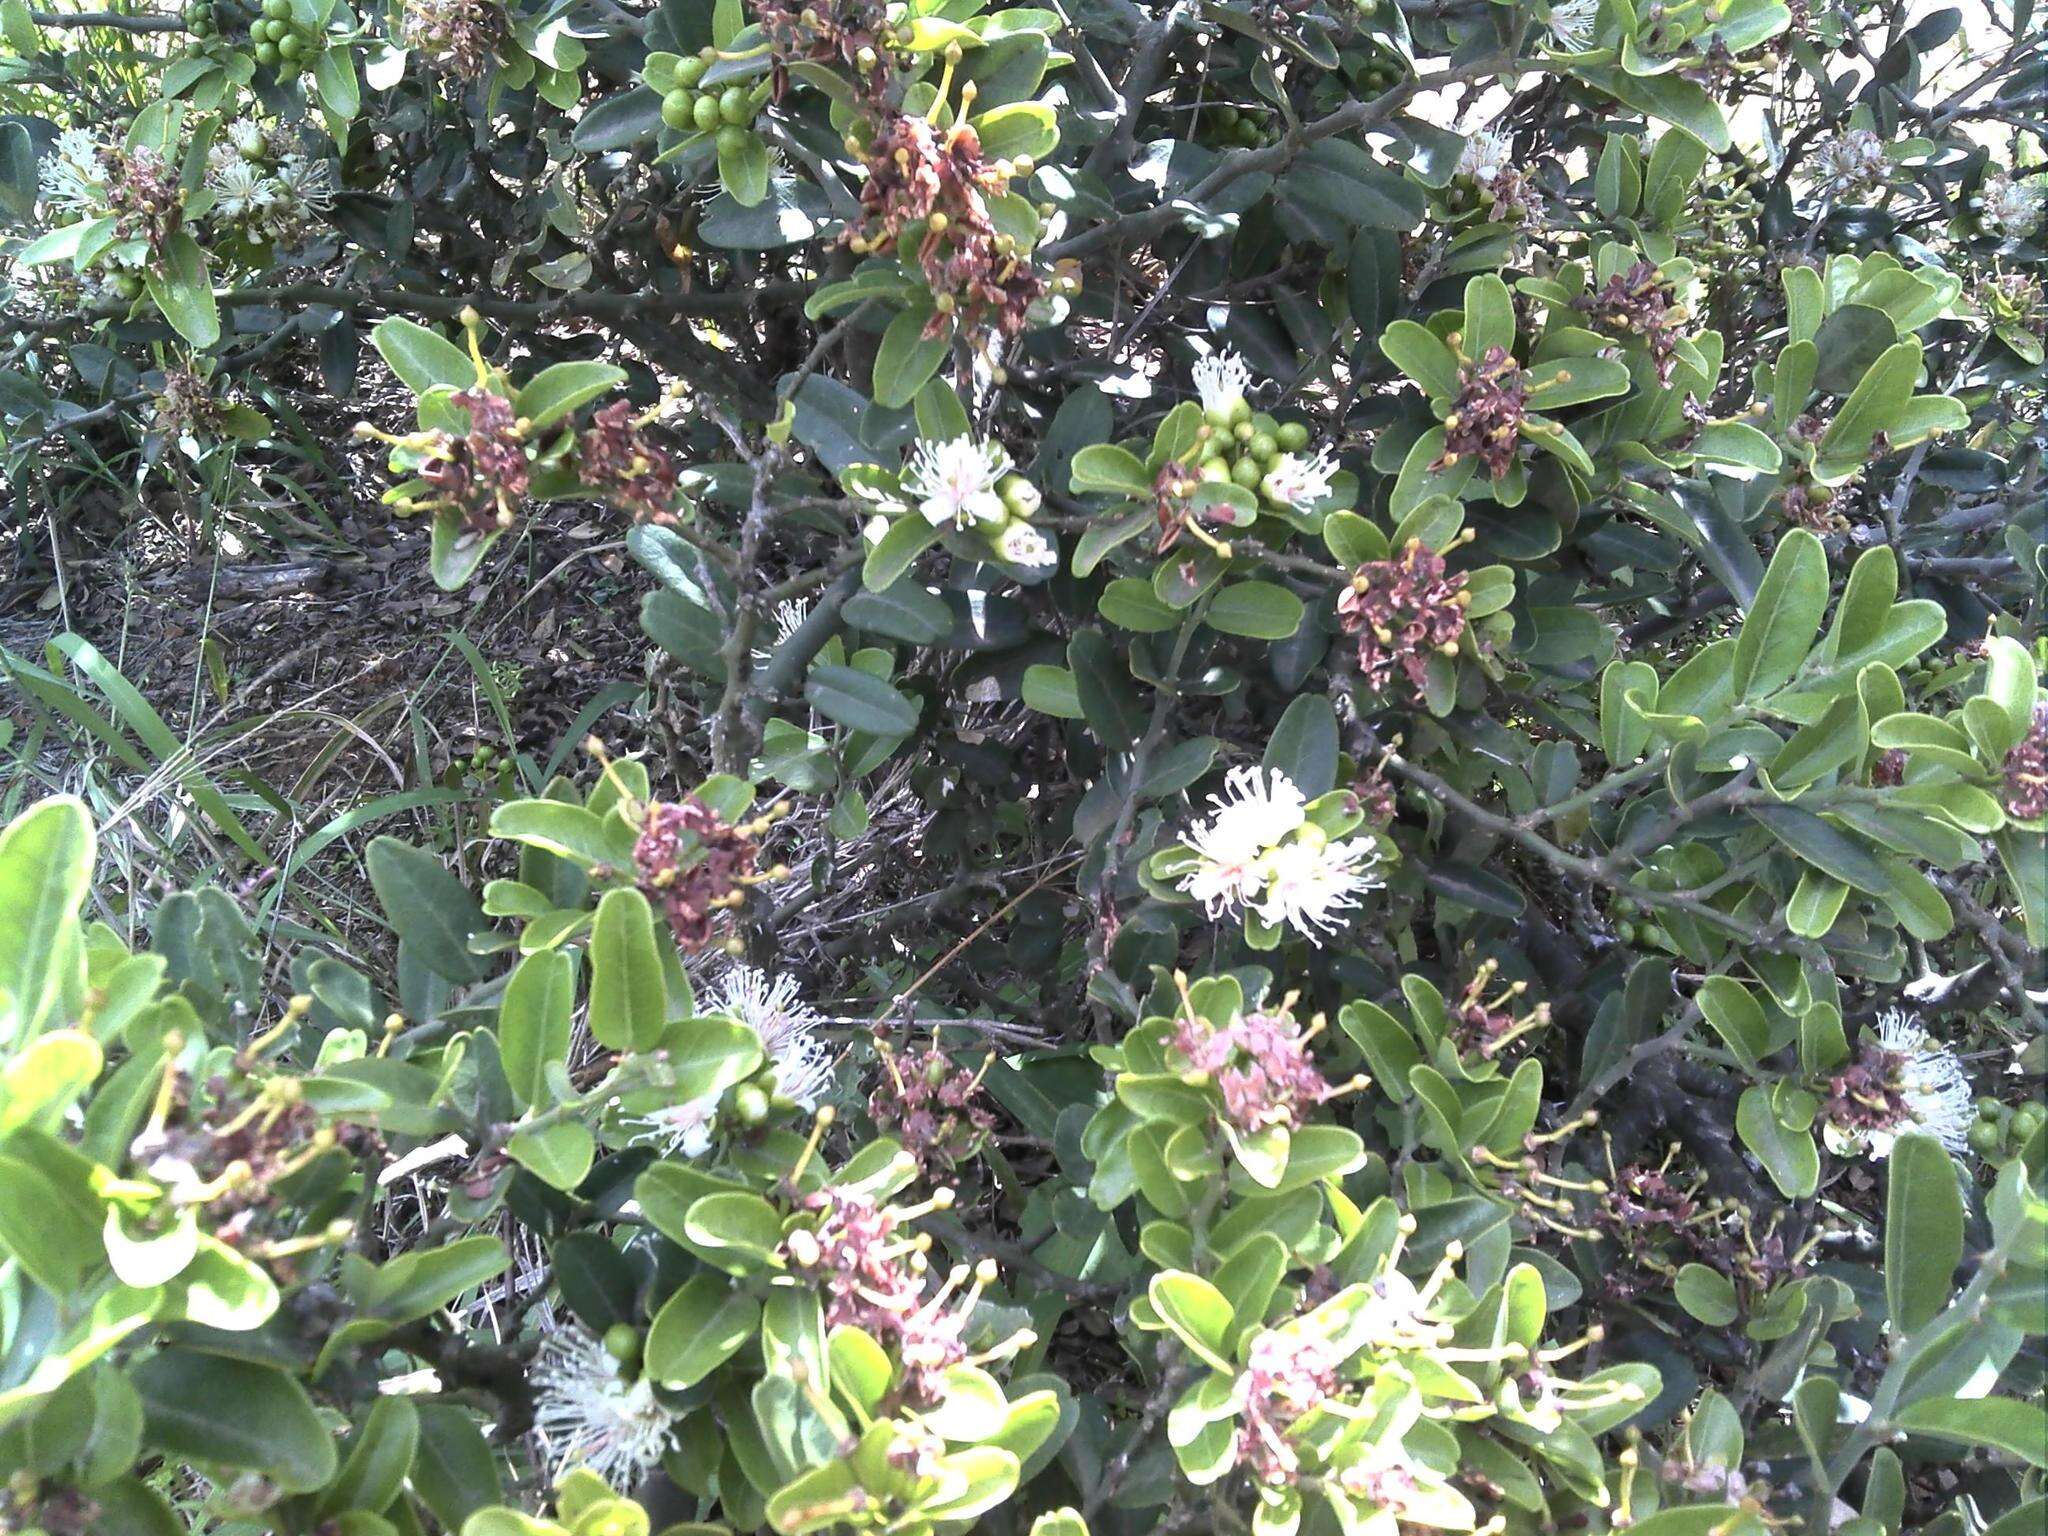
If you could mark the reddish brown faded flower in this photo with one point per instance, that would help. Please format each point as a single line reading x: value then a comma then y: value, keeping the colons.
x: 1403, y: 612
x: 1485, y: 1027
x: 462, y: 35
x: 617, y: 460
x: 484, y: 474
x: 1486, y: 421
x: 830, y: 32
x: 694, y: 864
x: 1639, y: 302
x: 1890, y: 768
x: 932, y: 1106
x: 2026, y: 772
x: 941, y: 181
x: 143, y: 195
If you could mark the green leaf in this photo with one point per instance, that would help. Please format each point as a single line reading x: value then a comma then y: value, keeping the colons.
x: 1789, y: 1156
x: 334, y: 75
x: 1737, y: 1018
x: 628, y: 996
x: 1421, y: 354
x: 860, y: 701
x: 46, y: 862
x: 1778, y: 630
x: 1257, y: 609
x: 895, y: 552
x: 1923, y: 1231
x: 1707, y: 1294
x: 564, y: 388
x: 559, y: 1154
x: 44, y: 1079
x: 744, y: 167
x: 1196, y: 1311
x: 431, y: 911
x: 415, y: 1284
x: 2002, y: 1423
x: 182, y: 288
x: 1106, y: 467
x: 379, y: 1461
x: 697, y: 1330
x: 454, y: 1473
x: 907, y: 357
x: 1103, y: 688
x: 1875, y: 405
x: 422, y: 358
x: 233, y: 1413
x: 1304, y: 745
x: 1489, y: 317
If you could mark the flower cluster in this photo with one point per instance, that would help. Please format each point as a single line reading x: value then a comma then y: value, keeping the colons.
x: 2011, y: 208
x: 1640, y: 302
x: 590, y: 1410
x: 186, y: 405
x: 1260, y: 853
x: 1287, y: 1375
x: 1850, y: 162
x: 265, y: 190
x: 1899, y: 1082
x: 1486, y: 420
x: 2026, y: 771
x: 694, y: 864
x: 919, y: 175
x: 617, y: 461
x: 1261, y: 1065
x: 1572, y: 23
x: 1403, y: 611
x: 483, y: 474
x: 872, y: 1279
x: 1485, y: 1027
x: 1488, y: 163
x: 932, y: 1105
x: 138, y: 188
x: 853, y: 33
x: 462, y: 36
x: 788, y: 1027
x: 966, y: 484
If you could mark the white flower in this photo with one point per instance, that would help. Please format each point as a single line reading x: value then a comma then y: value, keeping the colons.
x: 1299, y: 482
x: 1932, y: 1082
x: 1487, y: 155
x: 1572, y: 22
x: 790, y: 614
x: 1308, y: 882
x: 954, y: 483
x: 586, y: 1414
x: 1221, y: 379
x: 787, y: 1026
x: 681, y: 1130
x: 237, y: 190
x: 1851, y: 161
x: 73, y: 176
x: 1251, y: 817
x: 306, y: 181
x: 248, y: 138
x: 2012, y: 208
x: 1022, y: 544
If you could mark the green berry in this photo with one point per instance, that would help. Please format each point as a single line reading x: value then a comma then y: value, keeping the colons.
x: 1264, y: 447
x: 1985, y: 1139
x: 734, y: 106
x: 1241, y: 419
x: 1292, y: 436
x: 1625, y: 932
x: 290, y: 46
x: 690, y: 71
x: 277, y: 10
x: 2027, y: 1119
x: 289, y: 71
x: 678, y: 109
x: 706, y: 113
x: 732, y: 139
x: 1248, y: 472
x: 1214, y: 470
x: 749, y: 1104
x: 622, y: 1343
x: 266, y: 53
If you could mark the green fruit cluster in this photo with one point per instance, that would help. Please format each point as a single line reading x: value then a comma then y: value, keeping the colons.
x: 284, y: 44
x: 1242, y: 446
x: 728, y: 111
x: 1227, y: 125
x: 200, y: 21
x: 2003, y: 1129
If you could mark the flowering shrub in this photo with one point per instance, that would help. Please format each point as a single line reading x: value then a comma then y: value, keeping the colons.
x: 1335, y: 819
